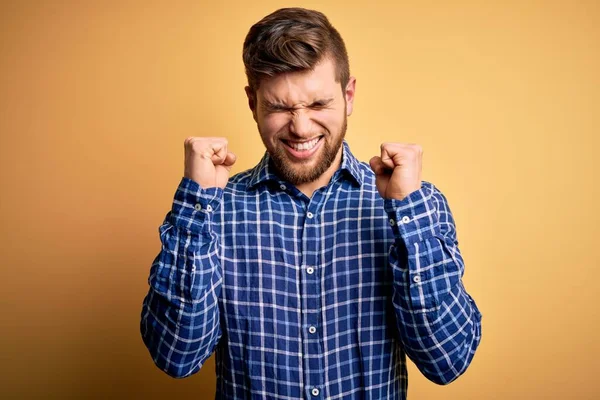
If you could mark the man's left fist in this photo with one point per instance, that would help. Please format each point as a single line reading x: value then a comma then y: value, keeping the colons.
x: 398, y: 170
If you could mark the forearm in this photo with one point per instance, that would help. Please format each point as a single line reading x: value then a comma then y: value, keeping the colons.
x: 180, y: 315
x: 438, y: 322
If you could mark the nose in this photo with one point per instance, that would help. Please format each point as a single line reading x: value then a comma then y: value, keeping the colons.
x: 301, y: 124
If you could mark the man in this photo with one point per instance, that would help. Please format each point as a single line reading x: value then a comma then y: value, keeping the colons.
x: 311, y: 275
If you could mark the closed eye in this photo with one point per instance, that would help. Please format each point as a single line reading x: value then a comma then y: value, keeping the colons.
x: 320, y: 103
x: 278, y: 107
x: 275, y: 107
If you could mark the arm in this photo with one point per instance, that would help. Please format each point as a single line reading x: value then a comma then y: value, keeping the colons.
x: 180, y: 314
x: 438, y: 322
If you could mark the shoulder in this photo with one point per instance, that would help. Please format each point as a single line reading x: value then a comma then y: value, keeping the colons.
x: 241, y: 177
x: 428, y: 189
x: 369, y: 176
x: 238, y: 183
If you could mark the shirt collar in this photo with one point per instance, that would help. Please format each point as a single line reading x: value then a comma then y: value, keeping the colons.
x: 264, y: 172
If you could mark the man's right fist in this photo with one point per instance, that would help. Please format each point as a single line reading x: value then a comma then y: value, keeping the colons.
x: 207, y: 161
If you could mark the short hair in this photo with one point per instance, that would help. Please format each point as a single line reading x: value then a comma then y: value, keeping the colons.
x: 293, y: 39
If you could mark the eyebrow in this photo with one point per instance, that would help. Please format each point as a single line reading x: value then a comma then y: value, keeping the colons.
x: 275, y: 106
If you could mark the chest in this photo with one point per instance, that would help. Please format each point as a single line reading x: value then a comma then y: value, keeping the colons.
x: 279, y: 248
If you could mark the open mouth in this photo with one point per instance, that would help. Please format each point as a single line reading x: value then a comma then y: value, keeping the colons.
x: 305, y: 146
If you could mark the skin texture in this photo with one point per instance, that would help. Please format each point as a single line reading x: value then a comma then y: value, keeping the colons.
x: 299, y: 108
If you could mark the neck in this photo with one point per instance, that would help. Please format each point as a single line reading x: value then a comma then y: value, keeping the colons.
x: 309, y: 188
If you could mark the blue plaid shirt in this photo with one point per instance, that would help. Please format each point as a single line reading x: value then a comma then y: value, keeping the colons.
x: 314, y: 298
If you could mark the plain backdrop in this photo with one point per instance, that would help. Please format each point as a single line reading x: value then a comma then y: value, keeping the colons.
x: 96, y: 98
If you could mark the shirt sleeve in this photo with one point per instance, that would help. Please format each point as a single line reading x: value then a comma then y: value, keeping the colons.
x: 180, y: 314
x: 438, y: 321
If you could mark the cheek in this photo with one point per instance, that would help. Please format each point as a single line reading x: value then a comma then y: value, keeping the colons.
x: 272, y: 124
x: 329, y: 120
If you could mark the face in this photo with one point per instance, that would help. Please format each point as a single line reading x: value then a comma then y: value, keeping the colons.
x: 301, y: 117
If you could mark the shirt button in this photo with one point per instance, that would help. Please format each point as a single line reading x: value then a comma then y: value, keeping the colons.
x: 315, y: 392
x: 309, y: 214
x: 310, y: 270
x: 208, y: 208
x: 417, y: 278
x: 312, y: 329
x: 282, y: 187
x: 405, y: 219
x: 197, y: 207
x: 392, y: 222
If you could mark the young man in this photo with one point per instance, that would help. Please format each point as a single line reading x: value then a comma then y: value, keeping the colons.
x: 311, y: 275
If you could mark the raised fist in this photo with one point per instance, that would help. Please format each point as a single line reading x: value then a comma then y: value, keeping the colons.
x: 398, y: 170
x: 207, y: 161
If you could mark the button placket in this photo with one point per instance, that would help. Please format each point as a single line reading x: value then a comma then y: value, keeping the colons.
x: 312, y: 315
x: 313, y: 354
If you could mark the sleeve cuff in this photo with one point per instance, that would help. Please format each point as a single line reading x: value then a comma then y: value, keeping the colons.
x: 193, y: 206
x: 414, y: 218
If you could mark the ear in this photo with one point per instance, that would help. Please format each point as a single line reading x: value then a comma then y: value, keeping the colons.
x: 349, y: 95
x: 251, y: 101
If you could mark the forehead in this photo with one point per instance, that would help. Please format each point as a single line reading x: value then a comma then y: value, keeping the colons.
x: 302, y: 86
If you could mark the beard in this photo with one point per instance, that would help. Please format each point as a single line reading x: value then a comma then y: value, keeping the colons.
x: 304, y: 173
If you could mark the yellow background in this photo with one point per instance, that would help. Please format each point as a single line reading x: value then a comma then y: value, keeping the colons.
x: 96, y: 98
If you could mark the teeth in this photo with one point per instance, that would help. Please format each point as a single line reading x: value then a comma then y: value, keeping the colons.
x: 304, y: 146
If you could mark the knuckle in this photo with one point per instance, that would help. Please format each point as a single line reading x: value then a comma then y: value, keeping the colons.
x: 200, y: 148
